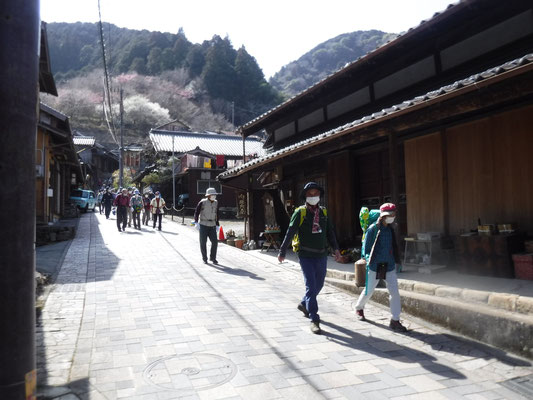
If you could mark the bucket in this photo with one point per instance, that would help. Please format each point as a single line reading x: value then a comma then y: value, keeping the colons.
x: 360, y: 273
x: 239, y: 243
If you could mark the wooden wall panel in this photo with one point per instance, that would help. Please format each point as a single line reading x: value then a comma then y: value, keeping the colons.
x: 424, y: 184
x: 341, y: 197
x: 490, y: 168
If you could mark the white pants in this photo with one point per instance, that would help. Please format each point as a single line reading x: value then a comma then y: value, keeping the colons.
x: 392, y: 287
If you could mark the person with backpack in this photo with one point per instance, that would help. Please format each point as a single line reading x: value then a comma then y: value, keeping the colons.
x: 146, y: 208
x: 381, y: 254
x: 311, y: 229
x: 107, y: 201
x: 122, y: 202
x: 157, y: 205
x: 136, y: 205
x: 207, y: 213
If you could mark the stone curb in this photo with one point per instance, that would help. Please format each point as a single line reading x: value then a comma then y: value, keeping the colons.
x: 500, y: 301
x: 509, y: 331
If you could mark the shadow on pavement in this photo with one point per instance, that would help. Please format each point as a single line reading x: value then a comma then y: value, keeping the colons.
x: 461, y: 346
x: 359, y: 342
x: 236, y: 271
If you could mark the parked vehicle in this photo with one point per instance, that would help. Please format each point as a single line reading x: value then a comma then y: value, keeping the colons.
x: 85, y: 200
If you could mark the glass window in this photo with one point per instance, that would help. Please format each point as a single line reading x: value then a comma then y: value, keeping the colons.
x: 203, y: 185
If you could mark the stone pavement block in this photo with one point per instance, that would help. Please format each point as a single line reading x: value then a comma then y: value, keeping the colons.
x: 502, y: 300
x: 421, y: 383
x: 266, y: 390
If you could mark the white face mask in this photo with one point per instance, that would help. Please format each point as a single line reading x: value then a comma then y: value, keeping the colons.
x: 212, y: 197
x: 389, y: 220
x: 312, y: 200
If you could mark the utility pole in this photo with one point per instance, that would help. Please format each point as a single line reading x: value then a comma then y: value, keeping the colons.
x: 233, y: 114
x: 121, y: 149
x: 173, y: 179
x: 19, y: 96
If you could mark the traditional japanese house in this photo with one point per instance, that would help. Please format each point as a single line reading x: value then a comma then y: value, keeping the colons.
x: 438, y: 121
x: 98, y: 163
x: 201, y: 157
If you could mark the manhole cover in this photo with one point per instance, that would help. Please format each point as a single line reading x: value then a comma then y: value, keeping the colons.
x: 522, y: 385
x: 190, y: 372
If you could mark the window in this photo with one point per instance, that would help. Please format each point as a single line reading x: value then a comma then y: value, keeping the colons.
x: 203, y: 185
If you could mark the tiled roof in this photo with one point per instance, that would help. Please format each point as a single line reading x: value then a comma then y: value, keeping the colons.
x: 383, y: 114
x: 83, y: 140
x: 208, y: 142
x: 346, y: 67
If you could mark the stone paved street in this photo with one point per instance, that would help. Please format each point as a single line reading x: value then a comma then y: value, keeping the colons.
x: 137, y: 315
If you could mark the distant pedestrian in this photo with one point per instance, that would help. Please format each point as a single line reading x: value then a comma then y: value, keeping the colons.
x: 146, y: 209
x: 107, y: 200
x: 136, y: 205
x: 314, y: 229
x: 381, y: 253
x: 122, y: 202
x: 157, y: 204
x: 130, y: 212
x: 206, y: 215
x: 99, y: 200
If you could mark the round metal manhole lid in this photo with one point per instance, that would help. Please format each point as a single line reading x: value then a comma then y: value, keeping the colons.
x: 190, y: 372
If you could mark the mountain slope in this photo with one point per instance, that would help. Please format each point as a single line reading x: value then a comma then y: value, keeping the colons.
x: 325, y: 59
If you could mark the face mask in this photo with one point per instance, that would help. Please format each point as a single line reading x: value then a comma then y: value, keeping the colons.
x: 389, y: 220
x: 158, y: 195
x: 212, y: 197
x: 312, y: 200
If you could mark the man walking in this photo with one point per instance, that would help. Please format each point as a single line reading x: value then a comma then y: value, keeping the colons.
x: 314, y: 230
x: 136, y: 205
x: 157, y: 205
x: 122, y: 202
x: 107, y: 200
x: 381, y: 253
x: 207, y: 213
x: 146, y: 209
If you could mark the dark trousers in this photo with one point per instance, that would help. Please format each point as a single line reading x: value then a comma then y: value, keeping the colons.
x: 137, y: 219
x: 107, y: 207
x: 314, y: 270
x: 122, y: 217
x: 155, y: 217
x: 211, y: 233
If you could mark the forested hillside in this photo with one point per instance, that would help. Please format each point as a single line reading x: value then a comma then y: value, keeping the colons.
x: 230, y: 80
x: 325, y: 59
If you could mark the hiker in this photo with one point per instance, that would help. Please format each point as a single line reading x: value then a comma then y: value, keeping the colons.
x: 107, y: 200
x: 99, y: 200
x: 157, y: 205
x: 136, y: 205
x: 130, y: 211
x: 381, y: 254
x: 146, y: 209
x: 207, y: 214
x: 314, y: 230
x: 122, y: 202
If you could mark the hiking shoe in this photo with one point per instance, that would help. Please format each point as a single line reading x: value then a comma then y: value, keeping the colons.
x: 397, y: 326
x: 214, y: 262
x: 302, y: 308
x: 360, y: 314
x: 205, y: 261
x: 315, y: 327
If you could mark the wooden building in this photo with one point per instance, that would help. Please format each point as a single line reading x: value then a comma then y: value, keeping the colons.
x: 200, y: 158
x: 98, y: 163
x: 57, y: 167
x: 438, y: 121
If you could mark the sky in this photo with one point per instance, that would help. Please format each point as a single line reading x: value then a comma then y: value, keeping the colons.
x: 275, y: 32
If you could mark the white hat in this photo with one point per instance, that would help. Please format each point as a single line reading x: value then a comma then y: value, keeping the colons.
x: 210, y: 192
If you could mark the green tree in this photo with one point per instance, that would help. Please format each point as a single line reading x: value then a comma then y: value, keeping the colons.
x: 167, y: 60
x: 138, y: 65
x: 219, y: 74
x: 195, y: 60
x: 154, y: 61
x: 181, y: 48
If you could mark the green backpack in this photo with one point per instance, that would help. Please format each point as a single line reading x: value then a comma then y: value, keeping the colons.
x: 303, y: 212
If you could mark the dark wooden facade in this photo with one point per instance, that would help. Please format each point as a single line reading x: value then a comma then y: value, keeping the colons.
x: 453, y: 149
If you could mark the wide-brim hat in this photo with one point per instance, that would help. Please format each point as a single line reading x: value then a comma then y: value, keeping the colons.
x: 387, y: 209
x: 309, y: 186
x: 210, y: 192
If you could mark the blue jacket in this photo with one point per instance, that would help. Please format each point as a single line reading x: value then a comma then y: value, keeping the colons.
x: 386, y: 249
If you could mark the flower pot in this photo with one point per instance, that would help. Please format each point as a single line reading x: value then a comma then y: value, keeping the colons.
x: 230, y: 242
x: 239, y: 243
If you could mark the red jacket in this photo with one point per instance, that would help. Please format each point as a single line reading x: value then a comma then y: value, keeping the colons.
x: 121, y: 200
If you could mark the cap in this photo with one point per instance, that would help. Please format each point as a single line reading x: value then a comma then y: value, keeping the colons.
x: 309, y: 186
x: 387, y: 209
x: 211, y: 192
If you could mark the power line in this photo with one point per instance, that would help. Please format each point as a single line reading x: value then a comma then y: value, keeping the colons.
x: 109, y: 119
